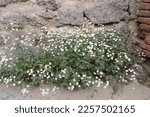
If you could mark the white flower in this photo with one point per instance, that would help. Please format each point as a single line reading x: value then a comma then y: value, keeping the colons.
x: 74, y: 80
x: 44, y: 92
x: 72, y: 87
x: 13, y: 84
x: 77, y: 83
x: 99, y: 84
x: 24, y: 91
x: 92, y: 35
x: 54, y: 89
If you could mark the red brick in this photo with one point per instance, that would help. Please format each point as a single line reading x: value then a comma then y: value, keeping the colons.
x: 146, y: 0
x: 143, y: 35
x: 147, y: 53
x: 146, y: 34
x: 145, y: 6
x: 147, y: 40
x: 145, y: 13
x: 144, y: 27
x: 144, y: 20
x: 144, y: 45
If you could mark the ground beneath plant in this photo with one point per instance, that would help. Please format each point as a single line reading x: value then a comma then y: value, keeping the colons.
x: 132, y: 91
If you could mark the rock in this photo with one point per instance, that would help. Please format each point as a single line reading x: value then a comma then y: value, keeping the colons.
x: 6, y: 2
x: 48, y: 14
x: 120, y: 4
x: 124, y: 30
x: 133, y: 27
x: 99, y: 16
x: 146, y: 66
x: 49, y: 4
x: 105, y: 12
x: 67, y: 12
x: 1, y: 26
x: 34, y: 20
x: 71, y: 14
x: 134, y: 9
x: 3, y: 36
x: 11, y: 17
x: 22, y: 14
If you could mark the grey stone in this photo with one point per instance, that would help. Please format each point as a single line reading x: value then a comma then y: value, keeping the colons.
x: 3, y: 36
x: 5, y: 2
x: 22, y: 14
x: 12, y: 17
x: 146, y: 66
x: 133, y: 27
x: 71, y: 14
x: 1, y: 26
x: 138, y: 1
x: 134, y: 9
x: 48, y: 14
x: 67, y: 12
x: 48, y: 4
x: 133, y: 91
x: 124, y: 31
x: 120, y: 4
x: 34, y: 20
x: 104, y: 13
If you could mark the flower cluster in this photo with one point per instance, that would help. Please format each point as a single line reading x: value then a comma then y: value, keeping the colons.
x: 72, y: 59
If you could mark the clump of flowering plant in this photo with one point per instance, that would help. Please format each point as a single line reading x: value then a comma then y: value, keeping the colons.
x: 68, y: 59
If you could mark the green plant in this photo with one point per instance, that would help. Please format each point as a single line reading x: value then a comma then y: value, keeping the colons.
x: 69, y: 60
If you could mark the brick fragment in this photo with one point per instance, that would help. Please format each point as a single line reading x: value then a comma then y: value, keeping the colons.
x: 146, y: 1
x: 144, y: 45
x: 144, y: 13
x: 145, y: 6
x: 144, y: 20
x: 147, y: 40
x: 147, y: 53
x: 143, y: 35
x: 144, y: 27
x: 147, y: 34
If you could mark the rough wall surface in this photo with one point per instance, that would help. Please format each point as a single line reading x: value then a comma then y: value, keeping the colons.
x: 30, y: 15
x: 73, y: 11
x: 143, y: 43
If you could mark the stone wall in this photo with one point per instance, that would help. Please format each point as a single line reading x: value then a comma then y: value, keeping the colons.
x: 30, y: 15
x: 71, y: 12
